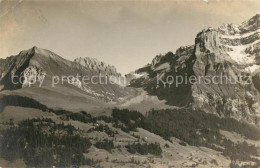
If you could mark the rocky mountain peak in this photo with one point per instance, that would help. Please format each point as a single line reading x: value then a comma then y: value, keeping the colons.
x: 229, y: 50
x: 96, y: 65
x: 156, y: 60
x: 34, y: 49
x: 251, y: 25
x: 247, y: 26
x: 207, y: 39
x: 182, y: 50
x: 40, y: 51
x: 37, y: 51
x: 238, y: 43
x: 229, y: 29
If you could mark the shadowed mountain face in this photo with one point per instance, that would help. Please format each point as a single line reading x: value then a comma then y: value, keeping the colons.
x: 231, y: 51
x: 179, y: 64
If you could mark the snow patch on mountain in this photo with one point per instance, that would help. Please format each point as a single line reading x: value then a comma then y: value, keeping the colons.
x: 238, y: 53
x: 239, y: 36
x: 164, y: 66
x: 252, y: 68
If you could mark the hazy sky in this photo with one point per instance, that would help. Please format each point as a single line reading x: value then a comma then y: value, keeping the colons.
x: 127, y: 34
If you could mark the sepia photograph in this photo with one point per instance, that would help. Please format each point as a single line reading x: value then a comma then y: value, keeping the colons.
x: 130, y: 83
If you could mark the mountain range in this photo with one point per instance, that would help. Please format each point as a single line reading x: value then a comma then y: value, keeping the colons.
x: 231, y: 50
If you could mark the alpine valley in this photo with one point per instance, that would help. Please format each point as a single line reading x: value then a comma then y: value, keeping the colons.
x: 135, y: 121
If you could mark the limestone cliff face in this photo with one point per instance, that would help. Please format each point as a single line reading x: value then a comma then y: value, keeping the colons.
x: 213, y: 60
x: 96, y: 65
x: 231, y: 51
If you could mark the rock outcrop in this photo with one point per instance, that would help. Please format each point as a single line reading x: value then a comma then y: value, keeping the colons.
x: 96, y: 65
